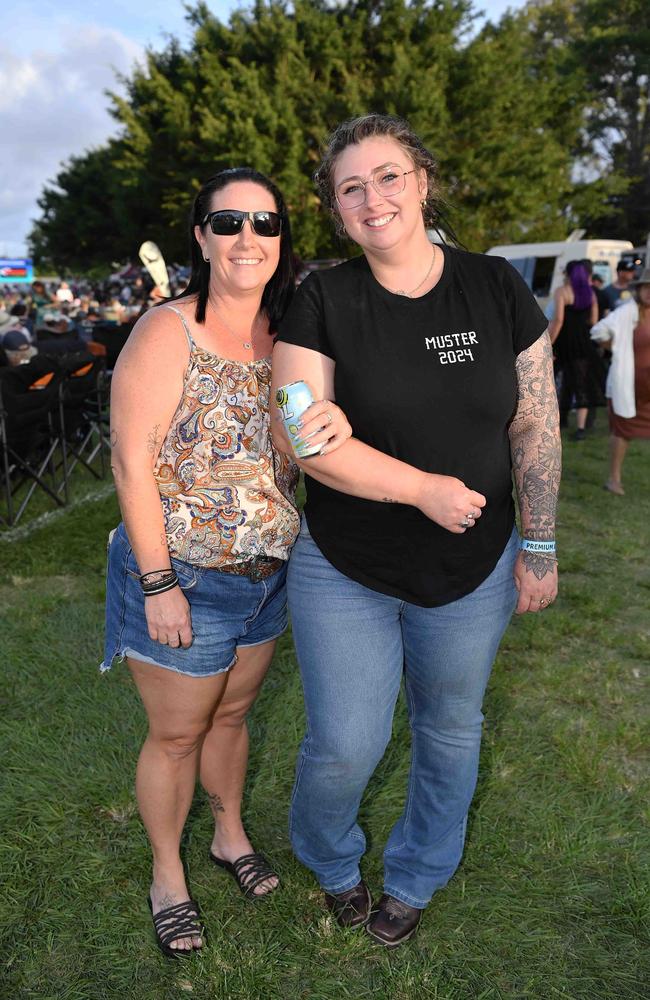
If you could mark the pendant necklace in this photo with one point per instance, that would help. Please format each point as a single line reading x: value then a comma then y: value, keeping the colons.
x: 402, y: 291
x: 246, y: 344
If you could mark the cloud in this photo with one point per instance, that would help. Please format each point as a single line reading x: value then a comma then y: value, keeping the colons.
x: 52, y: 106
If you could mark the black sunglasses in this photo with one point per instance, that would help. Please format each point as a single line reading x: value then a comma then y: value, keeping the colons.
x: 230, y: 221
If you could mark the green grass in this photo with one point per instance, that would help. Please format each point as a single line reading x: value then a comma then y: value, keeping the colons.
x: 551, y: 899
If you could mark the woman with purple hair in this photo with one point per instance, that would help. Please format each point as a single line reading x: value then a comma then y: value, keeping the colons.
x: 576, y: 311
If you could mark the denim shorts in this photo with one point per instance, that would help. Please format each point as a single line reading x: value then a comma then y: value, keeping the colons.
x: 227, y: 612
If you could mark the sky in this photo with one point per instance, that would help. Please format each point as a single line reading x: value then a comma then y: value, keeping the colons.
x: 57, y: 59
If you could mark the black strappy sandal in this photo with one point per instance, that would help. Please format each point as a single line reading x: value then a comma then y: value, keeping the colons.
x: 174, y: 923
x: 249, y: 871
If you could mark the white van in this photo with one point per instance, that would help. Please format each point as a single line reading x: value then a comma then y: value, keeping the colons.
x: 542, y: 265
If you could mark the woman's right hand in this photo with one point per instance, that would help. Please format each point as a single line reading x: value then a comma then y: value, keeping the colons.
x: 168, y: 618
x: 449, y: 503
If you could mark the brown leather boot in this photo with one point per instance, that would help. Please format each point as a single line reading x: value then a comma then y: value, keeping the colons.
x: 393, y: 922
x: 352, y: 907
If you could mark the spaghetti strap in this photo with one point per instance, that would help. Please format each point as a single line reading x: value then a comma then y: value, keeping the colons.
x: 190, y: 341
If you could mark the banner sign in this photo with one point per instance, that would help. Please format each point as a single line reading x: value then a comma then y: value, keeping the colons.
x: 16, y: 269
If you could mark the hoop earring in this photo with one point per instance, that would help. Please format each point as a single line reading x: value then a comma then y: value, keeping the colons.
x: 207, y: 260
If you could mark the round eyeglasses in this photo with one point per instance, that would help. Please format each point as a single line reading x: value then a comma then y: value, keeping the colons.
x: 386, y: 181
x: 230, y: 221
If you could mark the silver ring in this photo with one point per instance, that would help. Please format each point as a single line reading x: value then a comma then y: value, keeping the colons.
x: 465, y: 524
x: 471, y: 515
x: 329, y: 417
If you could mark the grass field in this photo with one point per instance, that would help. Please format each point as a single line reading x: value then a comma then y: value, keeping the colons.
x: 551, y: 900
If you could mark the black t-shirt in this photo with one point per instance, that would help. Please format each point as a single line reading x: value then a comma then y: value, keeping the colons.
x: 614, y: 296
x: 430, y: 381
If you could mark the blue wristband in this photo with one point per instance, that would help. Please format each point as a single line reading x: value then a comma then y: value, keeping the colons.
x: 529, y: 545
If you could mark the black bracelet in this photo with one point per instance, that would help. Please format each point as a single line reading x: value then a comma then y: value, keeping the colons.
x: 156, y: 572
x: 169, y: 577
x: 161, y: 588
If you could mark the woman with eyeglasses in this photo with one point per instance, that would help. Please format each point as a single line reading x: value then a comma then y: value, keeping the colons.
x: 196, y: 592
x: 408, y: 562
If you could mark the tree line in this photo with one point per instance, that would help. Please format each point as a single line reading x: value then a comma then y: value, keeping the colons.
x: 540, y: 122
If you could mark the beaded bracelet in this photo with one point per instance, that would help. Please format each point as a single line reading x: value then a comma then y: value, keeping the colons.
x: 530, y: 545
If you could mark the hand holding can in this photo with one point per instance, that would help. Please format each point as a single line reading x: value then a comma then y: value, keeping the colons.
x: 292, y: 400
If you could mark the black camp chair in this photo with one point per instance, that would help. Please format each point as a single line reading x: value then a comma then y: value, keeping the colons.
x: 113, y: 336
x: 29, y: 437
x: 83, y: 415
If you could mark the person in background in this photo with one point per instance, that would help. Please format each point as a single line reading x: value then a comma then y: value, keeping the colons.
x: 20, y: 312
x: 7, y: 322
x: 597, y: 286
x: 408, y: 564
x: 627, y: 331
x: 59, y: 336
x: 17, y: 347
x: 575, y: 312
x: 40, y: 300
x: 64, y: 293
x: 596, y: 283
x: 620, y: 290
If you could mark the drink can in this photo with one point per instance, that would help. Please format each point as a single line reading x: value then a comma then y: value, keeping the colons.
x: 292, y: 400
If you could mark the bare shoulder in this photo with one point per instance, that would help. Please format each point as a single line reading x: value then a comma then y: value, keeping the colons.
x: 158, y: 338
x: 160, y: 323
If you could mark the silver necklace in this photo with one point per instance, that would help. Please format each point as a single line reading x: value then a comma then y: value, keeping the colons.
x: 246, y: 344
x: 401, y: 291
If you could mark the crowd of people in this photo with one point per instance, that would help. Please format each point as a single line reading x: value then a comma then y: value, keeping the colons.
x: 601, y: 346
x: 58, y: 316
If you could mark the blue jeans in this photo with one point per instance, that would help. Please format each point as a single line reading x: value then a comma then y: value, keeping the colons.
x: 353, y: 645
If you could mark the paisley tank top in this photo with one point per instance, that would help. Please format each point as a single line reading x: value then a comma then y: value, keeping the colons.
x: 227, y: 494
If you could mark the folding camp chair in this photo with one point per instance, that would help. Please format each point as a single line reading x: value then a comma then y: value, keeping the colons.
x: 83, y: 415
x: 29, y: 401
x: 113, y: 336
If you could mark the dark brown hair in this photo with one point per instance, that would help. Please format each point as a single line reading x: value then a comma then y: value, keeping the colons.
x: 279, y: 290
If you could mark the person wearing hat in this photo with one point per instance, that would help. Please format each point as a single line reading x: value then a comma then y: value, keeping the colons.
x: 17, y: 347
x: 7, y: 322
x: 627, y: 330
x: 620, y: 290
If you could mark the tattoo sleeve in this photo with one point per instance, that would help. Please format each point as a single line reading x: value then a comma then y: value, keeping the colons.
x: 536, y: 450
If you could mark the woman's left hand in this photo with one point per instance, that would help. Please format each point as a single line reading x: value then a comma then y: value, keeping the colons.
x: 327, y: 423
x: 536, y: 580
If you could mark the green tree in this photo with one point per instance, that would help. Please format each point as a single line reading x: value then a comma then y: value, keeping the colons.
x: 507, y: 112
x: 603, y: 49
x: 79, y: 228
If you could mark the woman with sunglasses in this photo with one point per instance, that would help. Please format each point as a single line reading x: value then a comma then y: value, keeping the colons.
x: 408, y: 562
x: 196, y: 572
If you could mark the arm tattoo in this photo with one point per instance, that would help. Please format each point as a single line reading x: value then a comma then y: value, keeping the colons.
x: 216, y: 804
x: 536, y: 450
x: 388, y: 500
x: 113, y: 438
x: 154, y: 440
